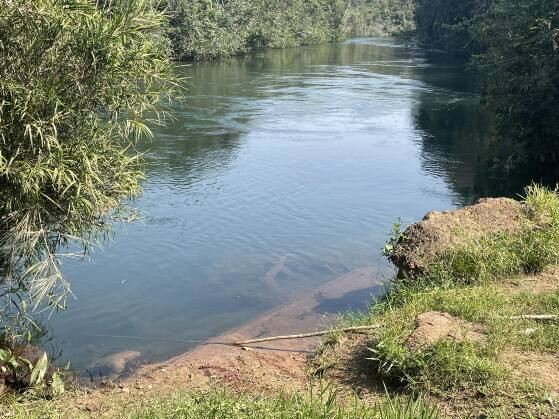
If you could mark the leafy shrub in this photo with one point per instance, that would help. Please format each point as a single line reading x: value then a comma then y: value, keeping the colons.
x: 76, y: 81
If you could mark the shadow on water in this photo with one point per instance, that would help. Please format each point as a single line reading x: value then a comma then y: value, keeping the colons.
x: 458, y: 142
x: 358, y: 300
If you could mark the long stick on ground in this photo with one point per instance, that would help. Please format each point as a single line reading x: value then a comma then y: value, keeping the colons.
x: 306, y: 335
x: 542, y: 317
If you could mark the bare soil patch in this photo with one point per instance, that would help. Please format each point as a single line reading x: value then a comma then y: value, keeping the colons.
x: 434, y: 326
x: 540, y: 367
x: 346, y: 364
x: 547, y: 281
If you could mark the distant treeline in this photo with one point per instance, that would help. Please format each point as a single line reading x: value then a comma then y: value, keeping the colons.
x: 207, y: 29
x: 514, y: 45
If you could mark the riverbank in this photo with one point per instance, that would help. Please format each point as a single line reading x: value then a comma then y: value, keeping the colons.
x: 471, y: 327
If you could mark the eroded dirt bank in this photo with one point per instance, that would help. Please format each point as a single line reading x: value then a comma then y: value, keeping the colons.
x: 424, y: 241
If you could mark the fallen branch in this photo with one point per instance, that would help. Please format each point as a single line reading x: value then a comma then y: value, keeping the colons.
x: 542, y: 317
x: 247, y: 342
x: 305, y: 335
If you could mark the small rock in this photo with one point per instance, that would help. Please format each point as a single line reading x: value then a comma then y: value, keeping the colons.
x: 90, y: 408
x: 150, y: 386
x: 126, y: 390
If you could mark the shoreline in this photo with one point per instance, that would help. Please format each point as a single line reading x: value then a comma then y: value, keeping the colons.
x: 297, y: 316
x: 447, y: 340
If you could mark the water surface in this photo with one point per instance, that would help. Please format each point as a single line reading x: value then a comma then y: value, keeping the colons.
x: 282, y: 171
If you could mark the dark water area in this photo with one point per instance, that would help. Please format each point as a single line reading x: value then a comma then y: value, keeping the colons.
x: 281, y: 172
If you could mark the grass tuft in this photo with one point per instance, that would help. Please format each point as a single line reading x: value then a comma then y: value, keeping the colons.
x: 526, y: 251
x: 466, y: 283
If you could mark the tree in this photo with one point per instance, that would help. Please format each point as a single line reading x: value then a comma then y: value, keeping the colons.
x: 77, y: 80
x: 515, y: 47
x: 520, y: 73
x: 445, y: 24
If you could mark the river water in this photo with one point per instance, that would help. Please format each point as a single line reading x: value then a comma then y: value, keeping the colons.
x: 282, y: 171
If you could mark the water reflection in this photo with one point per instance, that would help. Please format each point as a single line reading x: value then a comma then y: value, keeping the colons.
x: 458, y: 142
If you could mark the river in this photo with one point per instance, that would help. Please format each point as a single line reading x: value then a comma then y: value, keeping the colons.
x: 282, y: 171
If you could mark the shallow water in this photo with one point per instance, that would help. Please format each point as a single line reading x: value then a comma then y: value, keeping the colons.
x: 282, y: 171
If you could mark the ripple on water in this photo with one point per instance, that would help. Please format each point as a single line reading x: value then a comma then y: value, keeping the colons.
x: 281, y: 172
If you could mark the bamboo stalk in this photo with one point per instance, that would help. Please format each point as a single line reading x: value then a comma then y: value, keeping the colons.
x: 305, y: 335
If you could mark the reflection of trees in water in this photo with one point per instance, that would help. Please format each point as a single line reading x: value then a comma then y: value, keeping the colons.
x: 458, y: 144
x: 453, y: 143
x: 223, y: 98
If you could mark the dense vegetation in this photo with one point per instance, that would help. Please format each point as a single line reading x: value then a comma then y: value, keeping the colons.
x: 520, y: 69
x: 514, y: 45
x: 203, y: 29
x: 207, y: 29
x: 379, y: 17
x: 76, y: 81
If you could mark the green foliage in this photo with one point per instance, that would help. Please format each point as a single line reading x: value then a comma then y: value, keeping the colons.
x: 76, y: 81
x: 394, y: 238
x: 24, y: 375
x: 444, y: 24
x: 207, y: 29
x: 515, y: 47
x: 520, y: 72
x: 380, y: 17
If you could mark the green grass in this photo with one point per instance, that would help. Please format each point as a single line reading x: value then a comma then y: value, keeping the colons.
x: 526, y: 251
x: 323, y: 404
x: 488, y: 305
x: 450, y: 368
x: 466, y: 282
x: 225, y: 403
